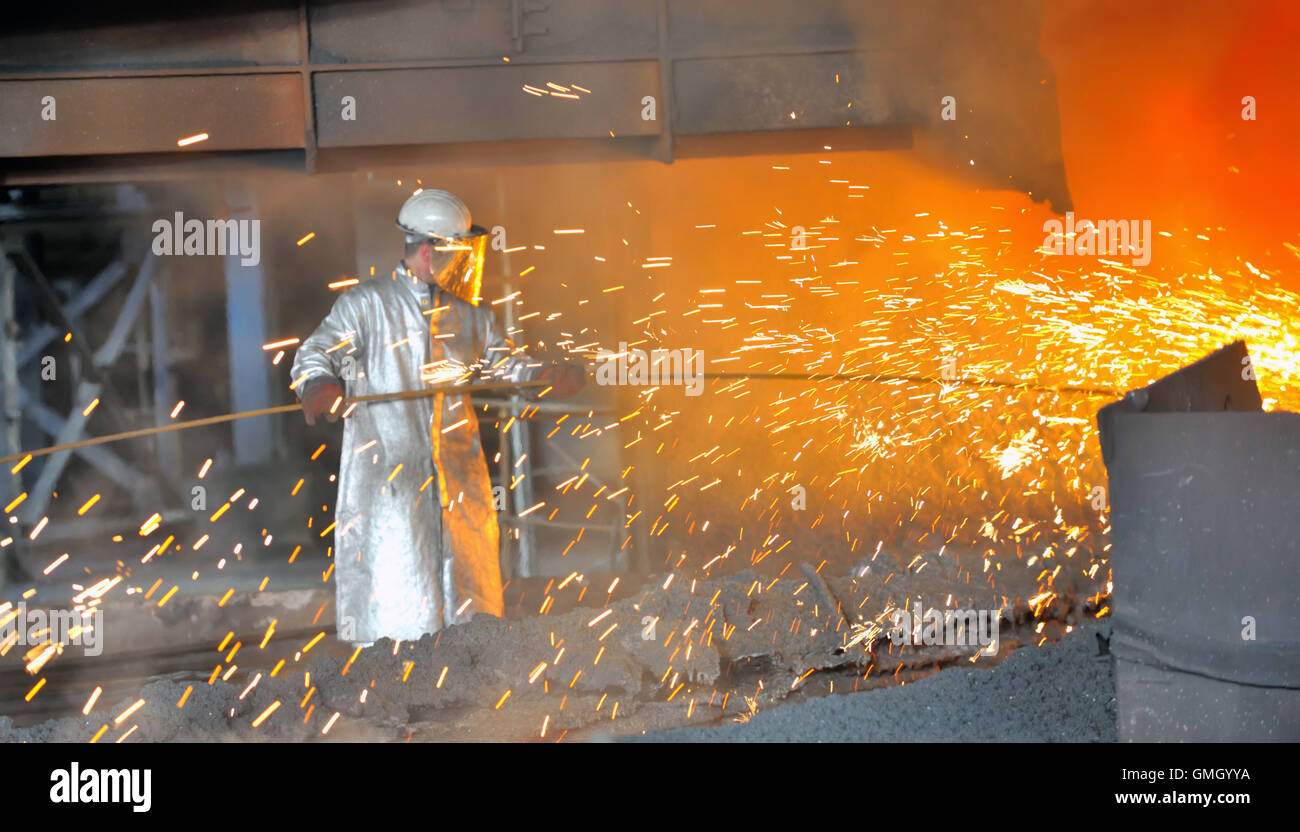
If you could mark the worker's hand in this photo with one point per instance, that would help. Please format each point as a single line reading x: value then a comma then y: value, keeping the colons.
x: 565, y: 379
x: 319, y: 397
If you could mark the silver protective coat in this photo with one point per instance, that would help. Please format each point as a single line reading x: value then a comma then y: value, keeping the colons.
x: 416, y: 541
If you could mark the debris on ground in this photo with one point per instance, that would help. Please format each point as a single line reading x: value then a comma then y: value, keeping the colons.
x: 679, y: 652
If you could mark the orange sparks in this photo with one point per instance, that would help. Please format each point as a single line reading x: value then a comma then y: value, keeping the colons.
x: 90, y: 703
x: 266, y: 639
x: 122, y: 717
x: 355, y: 653
x: 274, y: 705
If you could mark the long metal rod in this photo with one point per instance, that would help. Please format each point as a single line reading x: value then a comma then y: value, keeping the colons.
x: 1008, y: 385
x: 267, y: 411
x: 472, y: 388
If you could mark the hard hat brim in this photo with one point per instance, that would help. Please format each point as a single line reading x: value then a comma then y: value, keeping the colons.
x: 474, y: 231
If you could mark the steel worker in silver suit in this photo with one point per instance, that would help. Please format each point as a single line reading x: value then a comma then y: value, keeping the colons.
x: 415, y: 536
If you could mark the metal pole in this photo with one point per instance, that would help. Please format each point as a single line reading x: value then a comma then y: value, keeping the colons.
x: 10, y: 439
x: 425, y: 393
x: 166, y: 446
x: 519, y: 438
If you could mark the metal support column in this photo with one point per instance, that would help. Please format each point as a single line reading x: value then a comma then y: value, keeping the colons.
x: 250, y: 380
x: 166, y: 445
x: 10, y: 419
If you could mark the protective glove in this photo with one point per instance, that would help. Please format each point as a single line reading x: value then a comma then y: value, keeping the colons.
x: 565, y: 379
x: 318, y: 397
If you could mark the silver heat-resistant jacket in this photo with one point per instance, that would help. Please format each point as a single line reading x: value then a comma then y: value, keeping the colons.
x: 415, y: 536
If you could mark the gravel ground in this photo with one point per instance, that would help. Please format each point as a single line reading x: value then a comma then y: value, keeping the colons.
x: 1061, y: 692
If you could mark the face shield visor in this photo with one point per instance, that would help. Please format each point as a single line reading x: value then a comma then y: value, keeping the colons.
x: 457, y: 263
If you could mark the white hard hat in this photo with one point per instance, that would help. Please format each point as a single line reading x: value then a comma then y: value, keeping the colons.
x: 434, y: 213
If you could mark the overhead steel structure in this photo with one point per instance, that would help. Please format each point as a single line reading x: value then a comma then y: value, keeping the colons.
x: 108, y: 93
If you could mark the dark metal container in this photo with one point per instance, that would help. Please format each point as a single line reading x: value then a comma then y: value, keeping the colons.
x: 1205, y: 517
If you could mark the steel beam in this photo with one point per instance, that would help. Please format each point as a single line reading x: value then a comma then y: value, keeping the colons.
x: 109, y: 463
x: 10, y: 440
x: 246, y: 328
x: 51, y: 304
x: 98, y: 116
x: 167, y: 444
x: 472, y: 104
x: 94, y: 291
x: 88, y: 388
x: 448, y: 75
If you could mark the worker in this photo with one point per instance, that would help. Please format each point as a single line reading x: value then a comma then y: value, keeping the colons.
x: 415, y: 536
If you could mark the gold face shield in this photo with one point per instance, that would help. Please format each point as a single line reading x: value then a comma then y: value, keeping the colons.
x: 457, y: 264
